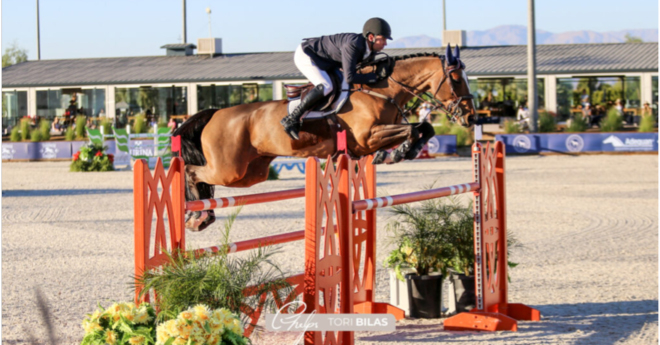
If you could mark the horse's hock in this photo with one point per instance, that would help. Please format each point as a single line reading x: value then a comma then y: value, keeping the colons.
x: 340, y: 238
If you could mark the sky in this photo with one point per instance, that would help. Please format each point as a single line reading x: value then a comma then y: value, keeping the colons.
x: 105, y: 28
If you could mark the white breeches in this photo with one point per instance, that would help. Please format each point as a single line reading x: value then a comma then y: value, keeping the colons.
x: 309, y: 69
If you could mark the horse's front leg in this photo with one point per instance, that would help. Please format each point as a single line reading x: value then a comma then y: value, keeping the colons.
x: 427, y: 131
x: 383, y: 137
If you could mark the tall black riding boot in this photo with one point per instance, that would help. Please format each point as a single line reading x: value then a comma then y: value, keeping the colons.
x: 291, y: 122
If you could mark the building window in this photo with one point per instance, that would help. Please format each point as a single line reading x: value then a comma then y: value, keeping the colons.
x: 224, y: 96
x: 67, y: 102
x: 503, y: 96
x: 156, y: 103
x: 600, y: 92
x: 14, y: 107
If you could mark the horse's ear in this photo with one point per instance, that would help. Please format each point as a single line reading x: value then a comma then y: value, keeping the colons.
x: 450, y: 57
x: 457, y: 52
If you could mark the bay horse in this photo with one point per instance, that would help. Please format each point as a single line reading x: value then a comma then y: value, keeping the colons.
x: 234, y: 147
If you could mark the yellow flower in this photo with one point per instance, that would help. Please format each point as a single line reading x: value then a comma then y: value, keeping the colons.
x: 186, y: 315
x: 171, y: 327
x: 96, y: 315
x: 110, y: 337
x: 162, y: 335
x: 201, y: 311
x: 91, y: 326
x: 180, y: 341
x: 136, y: 340
x: 142, y: 317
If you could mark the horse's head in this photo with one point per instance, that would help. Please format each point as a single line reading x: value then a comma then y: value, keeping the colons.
x: 453, y: 89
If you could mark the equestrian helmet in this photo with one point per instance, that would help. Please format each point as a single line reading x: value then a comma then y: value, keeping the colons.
x: 377, y: 26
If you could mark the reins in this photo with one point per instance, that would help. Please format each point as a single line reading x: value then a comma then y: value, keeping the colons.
x: 453, y: 110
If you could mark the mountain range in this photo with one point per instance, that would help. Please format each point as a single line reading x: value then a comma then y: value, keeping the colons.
x: 517, y: 34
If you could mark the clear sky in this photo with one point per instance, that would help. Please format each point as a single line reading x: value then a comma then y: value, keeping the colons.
x: 105, y: 28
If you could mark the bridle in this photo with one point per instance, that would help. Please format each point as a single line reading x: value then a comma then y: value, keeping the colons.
x: 453, y: 110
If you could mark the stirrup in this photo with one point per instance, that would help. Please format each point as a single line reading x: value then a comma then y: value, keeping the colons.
x: 291, y: 127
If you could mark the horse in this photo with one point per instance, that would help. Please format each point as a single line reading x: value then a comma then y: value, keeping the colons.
x: 234, y: 147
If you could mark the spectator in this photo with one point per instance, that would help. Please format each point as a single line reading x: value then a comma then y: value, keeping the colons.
x: 171, y: 124
x: 523, y: 116
x: 584, y: 98
x: 646, y: 110
x: 56, y: 127
x: 101, y: 113
x: 424, y: 112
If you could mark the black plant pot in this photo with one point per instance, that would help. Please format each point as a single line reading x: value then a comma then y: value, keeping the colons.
x: 424, y: 295
x: 464, y: 290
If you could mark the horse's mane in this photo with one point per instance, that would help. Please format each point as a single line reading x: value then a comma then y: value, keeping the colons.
x: 401, y: 57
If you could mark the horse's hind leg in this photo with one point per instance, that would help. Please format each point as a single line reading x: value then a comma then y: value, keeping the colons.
x: 198, y: 190
x: 257, y: 171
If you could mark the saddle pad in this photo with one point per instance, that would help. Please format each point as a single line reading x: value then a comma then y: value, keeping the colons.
x: 334, y: 108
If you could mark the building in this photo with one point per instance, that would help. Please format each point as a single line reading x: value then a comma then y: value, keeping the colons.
x: 180, y: 83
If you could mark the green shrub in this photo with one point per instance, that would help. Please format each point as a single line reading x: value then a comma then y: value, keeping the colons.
x: 578, y: 124
x: 463, y: 135
x: 647, y: 124
x: 70, y: 134
x: 612, y: 122
x: 547, y: 122
x: 511, y: 127
x: 15, y: 134
x: 81, y: 123
x: 107, y: 126
x: 272, y: 173
x: 25, y: 129
x: 44, y: 129
x: 35, y: 135
x: 140, y: 124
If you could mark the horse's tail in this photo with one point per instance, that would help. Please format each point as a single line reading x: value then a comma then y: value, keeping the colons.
x: 191, y: 149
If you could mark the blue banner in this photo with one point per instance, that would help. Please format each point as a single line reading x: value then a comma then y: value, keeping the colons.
x: 579, y: 142
x: 442, y: 145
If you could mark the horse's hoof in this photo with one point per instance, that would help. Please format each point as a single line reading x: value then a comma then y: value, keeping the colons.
x: 379, y: 157
x: 396, y: 156
x: 195, y: 219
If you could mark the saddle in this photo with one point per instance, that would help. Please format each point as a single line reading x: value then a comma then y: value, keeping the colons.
x: 298, y: 92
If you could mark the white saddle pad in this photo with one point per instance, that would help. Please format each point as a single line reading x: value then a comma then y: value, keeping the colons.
x: 334, y: 108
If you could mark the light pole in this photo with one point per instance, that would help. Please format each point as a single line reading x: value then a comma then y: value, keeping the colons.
x: 208, y: 10
x: 38, y: 39
x: 184, y: 22
x: 531, y: 68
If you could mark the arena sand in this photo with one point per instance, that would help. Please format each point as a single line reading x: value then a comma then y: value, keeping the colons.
x: 589, y: 226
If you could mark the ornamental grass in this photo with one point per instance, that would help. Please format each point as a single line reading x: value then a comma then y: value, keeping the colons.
x: 578, y: 124
x: 647, y: 124
x: 216, y: 280
x: 612, y: 122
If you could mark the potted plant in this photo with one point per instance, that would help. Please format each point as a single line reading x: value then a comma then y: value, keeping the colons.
x: 216, y: 281
x: 462, y: 264
x: 422, y: 244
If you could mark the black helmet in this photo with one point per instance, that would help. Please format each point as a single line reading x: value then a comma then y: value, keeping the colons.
x: 377, y: 26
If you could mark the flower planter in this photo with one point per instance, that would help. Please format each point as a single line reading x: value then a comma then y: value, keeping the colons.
x: 424, y: 295
x: 464, y: 292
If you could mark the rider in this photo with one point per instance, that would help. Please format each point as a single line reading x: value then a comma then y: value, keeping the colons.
x: 315, y: 56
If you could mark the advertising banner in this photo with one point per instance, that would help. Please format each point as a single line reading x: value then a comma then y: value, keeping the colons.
x: 579, y: 142
x: 442, y: 145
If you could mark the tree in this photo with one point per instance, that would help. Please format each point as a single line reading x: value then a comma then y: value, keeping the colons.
x: 633, y: 39
x: 13, y: 55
